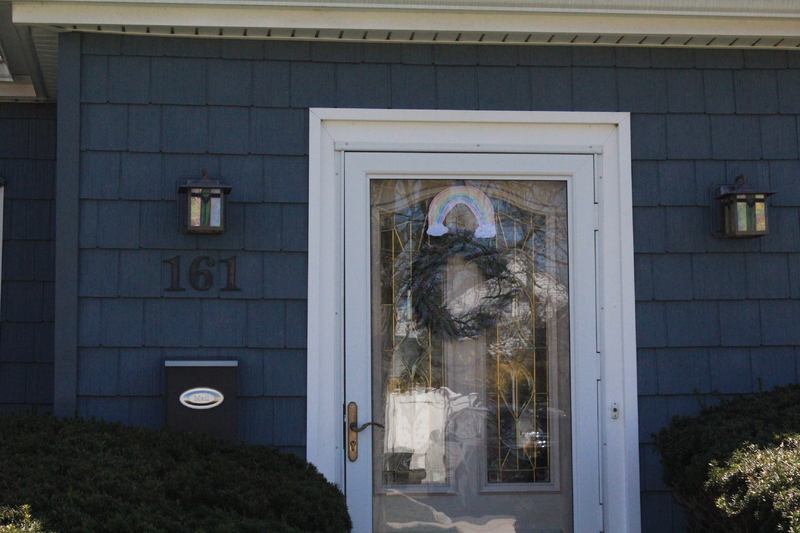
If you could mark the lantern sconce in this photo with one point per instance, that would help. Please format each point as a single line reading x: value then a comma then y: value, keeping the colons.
x: 739, y: 210
x: 202, y: 204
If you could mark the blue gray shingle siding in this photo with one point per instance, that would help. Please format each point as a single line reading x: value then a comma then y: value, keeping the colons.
x: 27, y: 162
x: 713, y: 315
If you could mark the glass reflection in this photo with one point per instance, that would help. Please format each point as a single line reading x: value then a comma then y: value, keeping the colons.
x: 205, y: 208
x: 475, y: 403
x: 761, y: 214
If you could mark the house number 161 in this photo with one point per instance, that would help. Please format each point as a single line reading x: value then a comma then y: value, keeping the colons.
x: 201, y: 279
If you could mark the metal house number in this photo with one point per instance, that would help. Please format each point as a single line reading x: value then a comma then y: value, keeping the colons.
x: 200, y: 278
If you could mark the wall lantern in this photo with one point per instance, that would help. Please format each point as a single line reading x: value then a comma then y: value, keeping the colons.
x: 202, y: 204
x: 741, y: 209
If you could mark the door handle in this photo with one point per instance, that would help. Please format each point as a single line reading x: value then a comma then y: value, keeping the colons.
x: 353, y: 429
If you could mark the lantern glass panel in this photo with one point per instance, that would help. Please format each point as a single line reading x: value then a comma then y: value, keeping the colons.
x: 742, y: 213
x: 205, y: 208
x: 761, y: 213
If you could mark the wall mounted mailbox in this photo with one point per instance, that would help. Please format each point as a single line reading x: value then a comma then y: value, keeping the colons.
x: 201, y: 397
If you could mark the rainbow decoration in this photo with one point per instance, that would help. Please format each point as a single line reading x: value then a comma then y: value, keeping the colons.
x: 475, y: 200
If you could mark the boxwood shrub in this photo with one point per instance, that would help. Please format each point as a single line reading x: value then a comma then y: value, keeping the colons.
x: 88, y: 476
x: 736, y: 466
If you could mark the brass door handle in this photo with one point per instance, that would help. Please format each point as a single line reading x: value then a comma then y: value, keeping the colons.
x: 354, y: 427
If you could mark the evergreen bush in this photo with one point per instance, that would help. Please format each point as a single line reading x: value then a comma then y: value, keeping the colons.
x: 734, y: 466
x: 87, y: 476
x: 19, y: 520
x: 764, y: 482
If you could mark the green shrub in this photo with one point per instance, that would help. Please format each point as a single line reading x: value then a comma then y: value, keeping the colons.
x: 764, y: 482
x: 717, y: 463
x: 87, y: 476
x: 19, y: 520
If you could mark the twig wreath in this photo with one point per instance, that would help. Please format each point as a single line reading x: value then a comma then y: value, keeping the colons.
x: 426, y: 283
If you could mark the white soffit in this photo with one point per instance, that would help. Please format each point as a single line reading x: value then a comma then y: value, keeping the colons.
x: 45, y: 43
x: 20, y: 88
x: 691, y: 23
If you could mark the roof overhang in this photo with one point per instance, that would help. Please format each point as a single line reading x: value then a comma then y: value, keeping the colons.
x: 695, y: 23
x: 18, y: 65
x: 32, y: 45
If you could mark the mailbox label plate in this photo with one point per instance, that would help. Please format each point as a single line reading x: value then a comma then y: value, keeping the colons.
x: 202, y: 398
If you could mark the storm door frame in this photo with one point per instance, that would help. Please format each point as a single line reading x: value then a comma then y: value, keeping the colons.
x: 606, y: 136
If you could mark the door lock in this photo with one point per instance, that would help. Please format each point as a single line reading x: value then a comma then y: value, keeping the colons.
x: 353, y: 429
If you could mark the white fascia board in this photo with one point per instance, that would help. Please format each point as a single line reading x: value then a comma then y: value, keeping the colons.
x: 716, y: 8
x: 72, y: 13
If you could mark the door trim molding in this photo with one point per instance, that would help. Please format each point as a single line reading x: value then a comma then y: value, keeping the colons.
x: 334, y: 131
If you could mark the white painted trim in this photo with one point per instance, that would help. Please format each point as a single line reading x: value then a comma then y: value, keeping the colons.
x: 330, y: 128
x: 486, y: 148
x: 716, y: 8
x: 325, y: 307
x: 400, y: 117
x: 404, y: 22
x: 201, y: 363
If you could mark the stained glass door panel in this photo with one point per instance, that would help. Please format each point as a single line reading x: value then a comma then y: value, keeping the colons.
x: 470, y: 356
x: 469, y: 339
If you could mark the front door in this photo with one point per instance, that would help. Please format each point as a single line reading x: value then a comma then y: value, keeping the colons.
x: 471, y: 365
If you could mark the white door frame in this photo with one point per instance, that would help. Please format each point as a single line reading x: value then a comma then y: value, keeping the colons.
x: 606, y: 136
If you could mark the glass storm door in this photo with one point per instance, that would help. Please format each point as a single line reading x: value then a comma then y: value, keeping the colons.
x: 470, y: 343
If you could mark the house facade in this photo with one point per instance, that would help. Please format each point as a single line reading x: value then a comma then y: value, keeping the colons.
x: 588, y: 144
